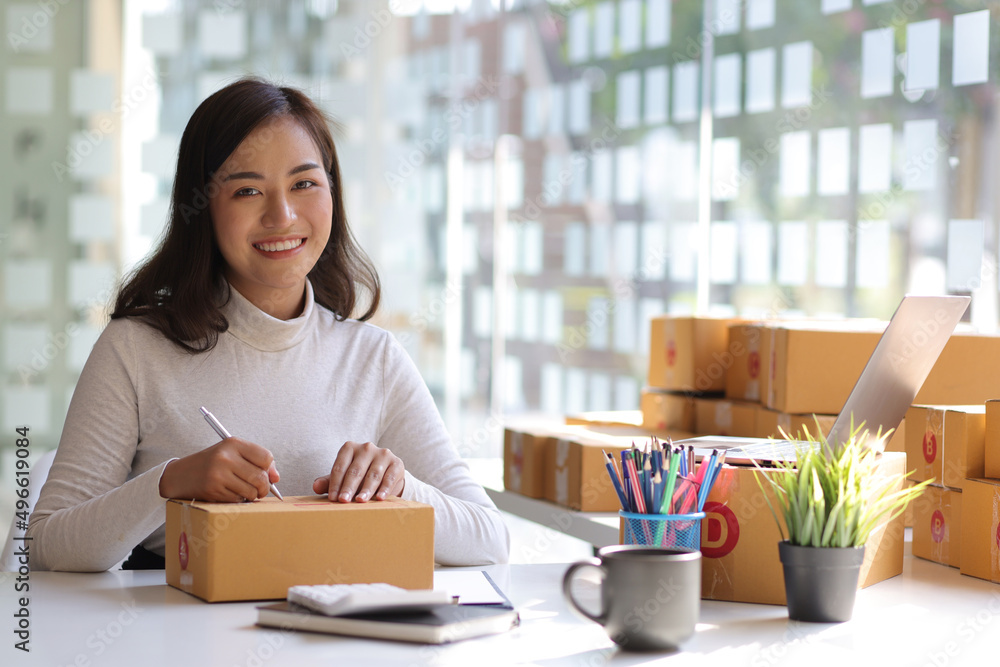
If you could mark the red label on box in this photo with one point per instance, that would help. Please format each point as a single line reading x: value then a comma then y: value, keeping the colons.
x: 753, y: 364
x: 182, y: 550
x: 937, y: 526
x: 671, y: 353
x: 998, y: 535
x: 930, y: 447
x: 720, y: 531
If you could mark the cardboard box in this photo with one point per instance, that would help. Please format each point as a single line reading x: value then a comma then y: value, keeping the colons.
x: 666, y: 410
x: 981, y: 529
x: 575, y: 473
x: 946, y: 443
x: 739, y: 541
x: 812, y: 367
x: 908, y: 513
x: 627, y: 418
x: 722, y: 416
x: 255, y: 551
x: 576, y: 476
x: 966, y: 372
x: 744, y: 377
x: 689, y: 354
x: 524, y: 446
x: 770, y: 421
x: 991, y: 459
x: 897, y: 441
x: 937, y: 525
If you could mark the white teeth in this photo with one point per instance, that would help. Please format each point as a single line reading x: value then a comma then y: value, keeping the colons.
x: 280, y: 245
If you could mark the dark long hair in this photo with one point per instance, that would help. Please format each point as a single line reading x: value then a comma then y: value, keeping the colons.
x: 176, y: 288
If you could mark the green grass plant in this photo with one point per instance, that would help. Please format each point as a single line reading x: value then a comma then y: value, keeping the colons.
x: 835, y: 497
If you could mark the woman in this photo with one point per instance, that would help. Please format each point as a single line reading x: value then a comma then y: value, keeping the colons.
x: 244, y: 309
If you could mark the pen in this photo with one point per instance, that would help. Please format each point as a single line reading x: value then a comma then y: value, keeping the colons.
x: 668, y: 492
x: 609, y: 463
x: 223, y: 433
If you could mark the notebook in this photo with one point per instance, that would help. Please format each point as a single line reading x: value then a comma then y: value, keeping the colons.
x: 440, y: 625
x: 903, y: 357
x: 485, y: 611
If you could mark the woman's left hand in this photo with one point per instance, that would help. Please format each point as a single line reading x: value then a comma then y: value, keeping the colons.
x: 361, y: 472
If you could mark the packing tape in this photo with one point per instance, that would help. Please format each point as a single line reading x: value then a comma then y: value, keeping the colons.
x: 517, y: 461
x: 724, y: 417
x: 562, y: 472
x: 994, y: 550
x: 772, y: 366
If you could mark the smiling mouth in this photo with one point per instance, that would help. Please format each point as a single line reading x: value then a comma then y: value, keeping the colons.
x: 278, y: 246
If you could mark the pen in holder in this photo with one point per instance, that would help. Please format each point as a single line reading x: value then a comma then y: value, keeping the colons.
x: 671, y: 531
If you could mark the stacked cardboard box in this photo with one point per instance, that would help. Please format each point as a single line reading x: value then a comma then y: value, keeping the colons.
x: 945, y: 444
x: 564, y: 463
x: 665, y: 410
x: 764, y: 371
x: 980, y: 537
x: 689, y: 354
x: 722, y: 416
x: 716, y: 376
x: 525, y: 444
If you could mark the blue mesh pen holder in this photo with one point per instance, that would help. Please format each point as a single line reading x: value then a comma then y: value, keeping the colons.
x: 668, y: 531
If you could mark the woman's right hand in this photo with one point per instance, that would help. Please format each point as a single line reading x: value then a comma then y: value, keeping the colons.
x: 230, y: 471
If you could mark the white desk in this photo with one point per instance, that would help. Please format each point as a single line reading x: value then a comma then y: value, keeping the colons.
x: 134, y: 619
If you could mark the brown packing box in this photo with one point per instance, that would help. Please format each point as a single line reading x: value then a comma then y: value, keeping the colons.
x: 769, y: 422
x: 255, y: 551
x: 739, y: 541
x: 937, y: 526
x: 966, y: 372
x: 664, y: 410
x: 524, y: 446
x: 744, y: 376
x: 946, y: 443
x: 689, y: 353
x: 722, y: 416
x: 908, y: 514
x: 992, y: 441
x: 897, y: 441
x: 981, y: 529
x: 575, y: 472
x: 632, y: 418
x: 812, y: 367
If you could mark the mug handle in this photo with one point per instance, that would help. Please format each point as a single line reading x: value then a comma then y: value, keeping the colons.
x: 601, y: 618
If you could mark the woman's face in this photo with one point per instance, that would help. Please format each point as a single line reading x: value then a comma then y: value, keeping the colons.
x: 272, y: 215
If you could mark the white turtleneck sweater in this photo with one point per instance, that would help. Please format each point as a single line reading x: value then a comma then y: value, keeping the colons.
x: 301, y: 388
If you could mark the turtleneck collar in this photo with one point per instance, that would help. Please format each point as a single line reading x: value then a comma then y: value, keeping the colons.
x: 259, y: 330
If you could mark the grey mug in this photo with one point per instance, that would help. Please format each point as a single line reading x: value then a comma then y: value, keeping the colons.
x: 650, y: 597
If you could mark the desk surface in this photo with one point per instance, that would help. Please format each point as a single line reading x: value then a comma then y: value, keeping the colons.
x: 930, y: 615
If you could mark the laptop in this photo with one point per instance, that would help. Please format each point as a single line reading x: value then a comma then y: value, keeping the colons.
x: 903, y: 357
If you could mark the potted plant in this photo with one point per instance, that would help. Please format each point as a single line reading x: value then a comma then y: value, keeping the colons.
x: 831, y: 499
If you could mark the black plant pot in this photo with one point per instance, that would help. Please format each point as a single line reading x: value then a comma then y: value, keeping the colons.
x: 820, y: 583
